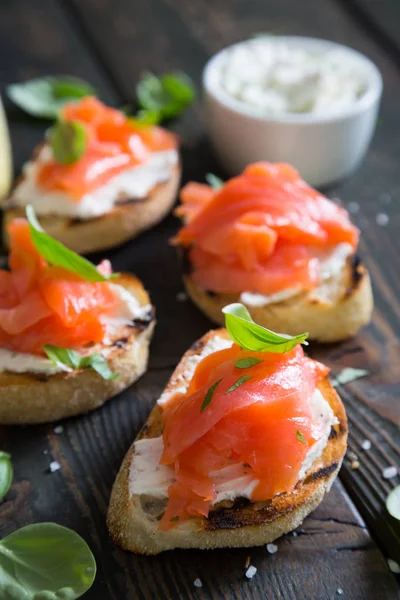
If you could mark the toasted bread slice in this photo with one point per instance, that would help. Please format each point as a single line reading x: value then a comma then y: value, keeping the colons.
x: 133, y: 520
x: 127, y: 219
x: 333, y: 311
x: 38, y: 398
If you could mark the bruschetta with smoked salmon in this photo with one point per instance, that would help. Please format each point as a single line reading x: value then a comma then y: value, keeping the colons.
x: 99, y: 179
x: 270, y: 241
x: 242, y: 445
x: 72, y: 335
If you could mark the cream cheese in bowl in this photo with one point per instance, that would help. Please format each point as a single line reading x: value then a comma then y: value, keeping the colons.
x: 278, y: 78
x: 308, y: 102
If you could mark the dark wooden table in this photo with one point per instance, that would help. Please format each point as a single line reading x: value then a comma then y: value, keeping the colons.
x: 345, y: 543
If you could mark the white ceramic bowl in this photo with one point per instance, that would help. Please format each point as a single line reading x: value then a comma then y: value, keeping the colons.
x: 323, y: 147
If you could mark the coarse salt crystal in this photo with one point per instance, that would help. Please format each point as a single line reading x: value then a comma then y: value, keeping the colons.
x: 382, y: 219
x: 181, y: 296
x: 197, y: 583
x: 59, y: 429
x: 251, y: 571
x: 366, y: 445
x: 294, y: 533
x: 353, y: 208
x: 393, y: 566
x: 355, y: 465
x: 339, y: 592
x: 54, y: 466
x: 272, y: 548
x: 389, y: 472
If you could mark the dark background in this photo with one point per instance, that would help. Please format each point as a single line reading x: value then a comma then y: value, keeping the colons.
x: 109, y: 43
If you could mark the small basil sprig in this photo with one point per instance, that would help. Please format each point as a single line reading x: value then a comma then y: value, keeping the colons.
x: 164, y: 97
x: 250, y: 336
x: 45, y: 96
x: 300, y: 436
x: 69, y: 359
x: 68, y: 141
x: 56, y: 254
x: 214, y: 181
x: 209, y: 396
x: 6, y: 473
x: 45, y: 560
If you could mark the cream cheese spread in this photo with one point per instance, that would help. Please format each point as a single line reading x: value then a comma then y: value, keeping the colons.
x: 131, y: 184
x: 276, y: 77
x: 331, y: 265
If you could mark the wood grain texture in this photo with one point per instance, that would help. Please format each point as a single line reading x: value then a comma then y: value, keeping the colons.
x: 110, y: 42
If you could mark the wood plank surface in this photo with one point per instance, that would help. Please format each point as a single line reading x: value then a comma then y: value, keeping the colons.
x: 110, y: 43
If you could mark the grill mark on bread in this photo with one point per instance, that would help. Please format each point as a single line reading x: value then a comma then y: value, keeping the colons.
x: 357, y: 274
x: 322, y: 473
x: 142, y: 324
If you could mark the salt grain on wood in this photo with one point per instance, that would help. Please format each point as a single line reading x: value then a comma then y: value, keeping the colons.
x: 366, y: 445
x: 389, y: 472
x: 353, y: 208
x: 197, y: 583
x: 59, y: 429
x: 393, y: 566
x: 54, y: 466
x: 251, y: 571
x: 272, y: 548
x: 382, y: 219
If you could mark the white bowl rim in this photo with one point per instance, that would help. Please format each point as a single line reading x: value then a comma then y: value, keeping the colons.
x: 371, y: 95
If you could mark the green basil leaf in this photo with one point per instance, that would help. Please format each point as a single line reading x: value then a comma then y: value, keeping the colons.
x: 45, y: 96
x: 247, y: 363
x: 348, y: 375
x: 68, y: 359
x: 145, y: 118
x: 209, y: 395
x: 45, y: 560
x: 237, y: 383
x: 174, y: 519
x: 215, y: 182
x: 256, y: 338
x: 6, y: 473
x: 300, y: 436
x: 68, y: 141
x: 58, y: 255
x: 168, y: 95
x: 393, y: 503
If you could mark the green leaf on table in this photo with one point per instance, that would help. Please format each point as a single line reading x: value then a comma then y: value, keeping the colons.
x: 215, y: 182
x: 68, y: 141
x: 45, y: 96
x: 6, y: 473
x: 250, y: 336
x: 348, y: 375
x: 167, y: 95
x: 209, y: 395
x: 45, y: 561
x: 393, y: 503
x: 145, y: 118
x: 56, y: 254
x: 68, y: 359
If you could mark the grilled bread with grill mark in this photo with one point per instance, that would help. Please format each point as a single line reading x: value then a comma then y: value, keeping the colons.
x: 334, y: 311
x: 133, y: 520
x: 27, y: 398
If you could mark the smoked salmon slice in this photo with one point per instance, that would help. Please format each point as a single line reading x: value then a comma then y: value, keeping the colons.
x: 262, y: 231
x: 114, y: 144
x: 261, y: 426
x: 41, y: 304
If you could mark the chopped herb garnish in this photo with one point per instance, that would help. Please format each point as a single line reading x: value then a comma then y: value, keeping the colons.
x: 70, y: 359
x: 209, y: 395
x: 214, y: 181
x: 175, y: 519
x: 300, y: 436
x: 237, y: 383
x: 68, y: 141
x: 250, y: 336
x: 247, y: 363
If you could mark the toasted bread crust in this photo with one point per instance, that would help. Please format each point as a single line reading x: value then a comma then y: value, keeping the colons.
x: 332, y: 312
x: 123, y: 223
x: 31, y: 398
x: 238, y: 524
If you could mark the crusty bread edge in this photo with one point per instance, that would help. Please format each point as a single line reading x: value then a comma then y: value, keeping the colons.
x: 30, y: 398
x: 123, y: 223
x: 334, y: 311
x: 232, y: 527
